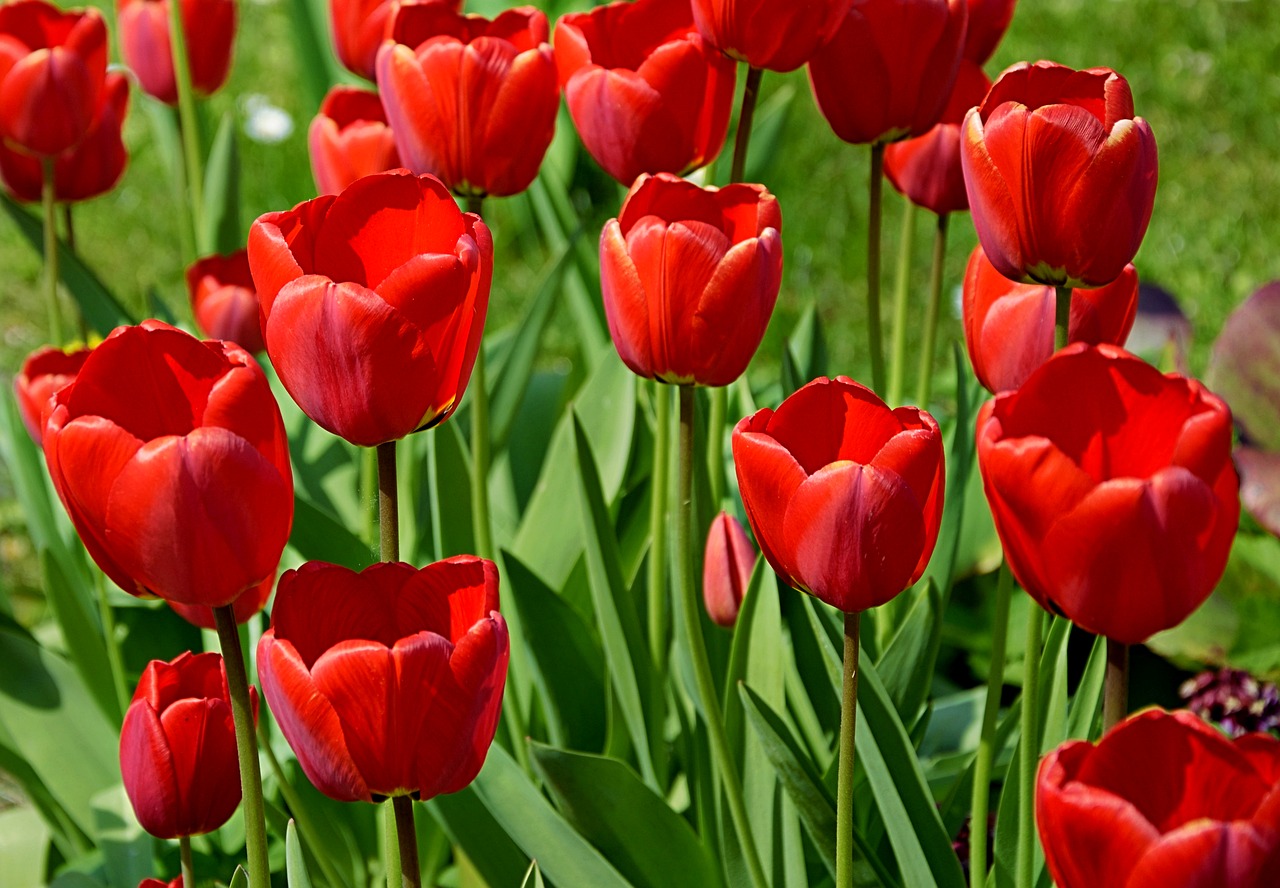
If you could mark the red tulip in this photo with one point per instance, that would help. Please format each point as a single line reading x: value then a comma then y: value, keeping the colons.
x: 52, y: 68
x: 844, y: 495
x: 350, y: 139
x: 208, y: 29
x: 170, y: 457
x: 250, y: 603
x: 776, y: 35
x: 223, y: 300
x: 888, y: 71
x: 727, y: 563
x: 91, y: 168
x: 988, y: 20
x: 373, y: 303
x: 645, y: 91
x: 927, y: 168
x: 360, y: 27
x: 388, y: 681
x: 1061, y: 176
x: 1008, y: 326
x: 178, y: 747
x: 1162, y: 801
x: 159, y: 883
x: 44, y: 373
x: 690, y: 276
x: 1112, y: 490
x: 470, y: 100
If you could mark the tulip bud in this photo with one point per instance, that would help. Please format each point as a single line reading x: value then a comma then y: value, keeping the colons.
x: 223, y: 300
x: 44, y: 373
x: 208, y: 31
x: 350, y: 139
x: 159, y: 883
x: 727, y: 563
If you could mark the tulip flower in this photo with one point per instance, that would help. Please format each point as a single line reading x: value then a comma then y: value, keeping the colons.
x: 988, y: 20
x: 1112, y: 490
x: 1061, y: 176
x: 178, y: 747
x: 250, y: 603
x: 646, y: 92
x: 170, y: 457
x: 690, y: 276
x: 208, y: 31
x: 91, y: 168
x: 223, y: 300
x: 360, y: 27
x: 44, y: 373
x: 1162, y: 801
x: 470, y: 100
x: 727, y: 563
x: 776, y: 35
x: 350, y: 139
x: 1008, y: 326
x: 389, y: 681
x: 889, y: 69
x: 160, y: 883
x: 844, y: 495
x: 373, y: 303
x: 53, y: 66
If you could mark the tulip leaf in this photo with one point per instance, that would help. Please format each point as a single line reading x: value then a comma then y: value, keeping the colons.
x: 533, y: 878
x: 239, y: 879
x: 316, y: 62
x: 485, y: 844
x: 1083, y: 723
x: 905, y: 661
x: 318, y: 536
x: 24, y: 841
x: 632, y: 826
x: 126, y: 847
x: 220, y: 227
x: 1244, y: 368
x: 82, y: 635
x: 737, y: 669
x: 295, y: 864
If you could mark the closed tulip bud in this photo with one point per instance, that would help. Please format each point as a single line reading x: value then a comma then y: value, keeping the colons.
x: 1162, y: 801
x: 646, y: 92
x: 988, y: 20
x: 727, y: 564
x: 208, y: 29
x: 888, y: 71
x: 373, y: 303
x: 53, y: 66
x: 223, y: 300
x: 690, y: 276
x: 1008, y: 327
x: 389, y: 681
x: 470, y: 100
x: 776, y: 35
x: 159, y: 883
x: 178, y: 747
x: 44, y: 373
x: 844, y: 495
x: 361, y: 26
x: 349, y: 139
x: 1061, y: 176
x: 170, y: 457
x: 1112, y: 489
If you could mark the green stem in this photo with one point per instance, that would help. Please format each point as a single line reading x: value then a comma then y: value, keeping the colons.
x: 255, y: 824
x: 189, y: 123
x: 658, y: 616
x: 388, y: 503
x: 708, y: 701
x: 745, y: 116
x: 390, y: 845
x: 114, y: 661
x: 51, y: 254
x: 1061, y: 317
x: 188, y: 865
x: 898, y: 359
x: 1115, y: 700
x: 875, y: 188
x: 715, y: 444
x: 1029, y: 756
x: 299, y: 811
x: 844, y: 786
x: 925, y: 380
x: 986, y: 742
x: 407, y: 838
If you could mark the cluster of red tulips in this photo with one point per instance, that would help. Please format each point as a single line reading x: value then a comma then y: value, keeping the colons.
x: 1111, y: 483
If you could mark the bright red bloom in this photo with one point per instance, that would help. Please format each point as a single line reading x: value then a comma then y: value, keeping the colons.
x: 53, y: 65
x: 361, y: 26
x: 1061, y: 176
x: 250, y: 602
x: 350, y: 139
x: 91, y: 168
x: 844, y: 495
x: 223, y: 300
x: 1162, y: 801
x: 776, y: 35
x: 1008, y: 327
x: 373, y: 303
x: 208, y: 29
x: 470, y: 100
x: 690, y: 276
x: 988, y: 20
x: 888, y: 71
x: 44, y: 373
x: 170, y: 457
x: 1112, y: 490
x: 178, y: 747
x: 159, y: 883
x: 927, y: 169
x: 727, y: 563
x: 388, y: 681
x: 646, y: 92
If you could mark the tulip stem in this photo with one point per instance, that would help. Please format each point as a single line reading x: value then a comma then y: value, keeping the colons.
x: 255, y: 824
x: 898, y: 359
x: 875, y: 189
x: 388, y: 503
x: 708, y: 702
x: 369, y: 496
x: 51, y: 254
x: 1115, y: 699
x: 1062, y: 317
x: 390, y: 842
x: 848, y: 720
x: 986, y: 741
x: 188, y: 865
x: 189, y: 124
x: 658, y: 616
x: 408, y: 837
x: 924, y: 382
x: 1029, y: 755
x: 745, y: 115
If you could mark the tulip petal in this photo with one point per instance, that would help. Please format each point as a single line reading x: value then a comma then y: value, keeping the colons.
x: 146, y: 763
x: 735, y: 308
x: 447, y: 598
x: 202, y: 744
x: 479, y: 667
x: 1208, y: 855
x: 626, y: 304
x: 830, y: 420
x: 768, y: 476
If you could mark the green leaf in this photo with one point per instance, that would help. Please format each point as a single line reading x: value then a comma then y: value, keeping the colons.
x: 905, y: 661
x: 767, y: 132
x: 29, y: 477
x: 486, y: 845
x: 239, y: 879
x: 533, y: 878
x: 220, y: 227
x: 1082, y: 722
x: 82, y: 634
x: 318, y: 536
x: 295, y: 865
x: 24, y: 840
x: 632, y: 826
x: 316, y: 62
x: 126, y: 847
